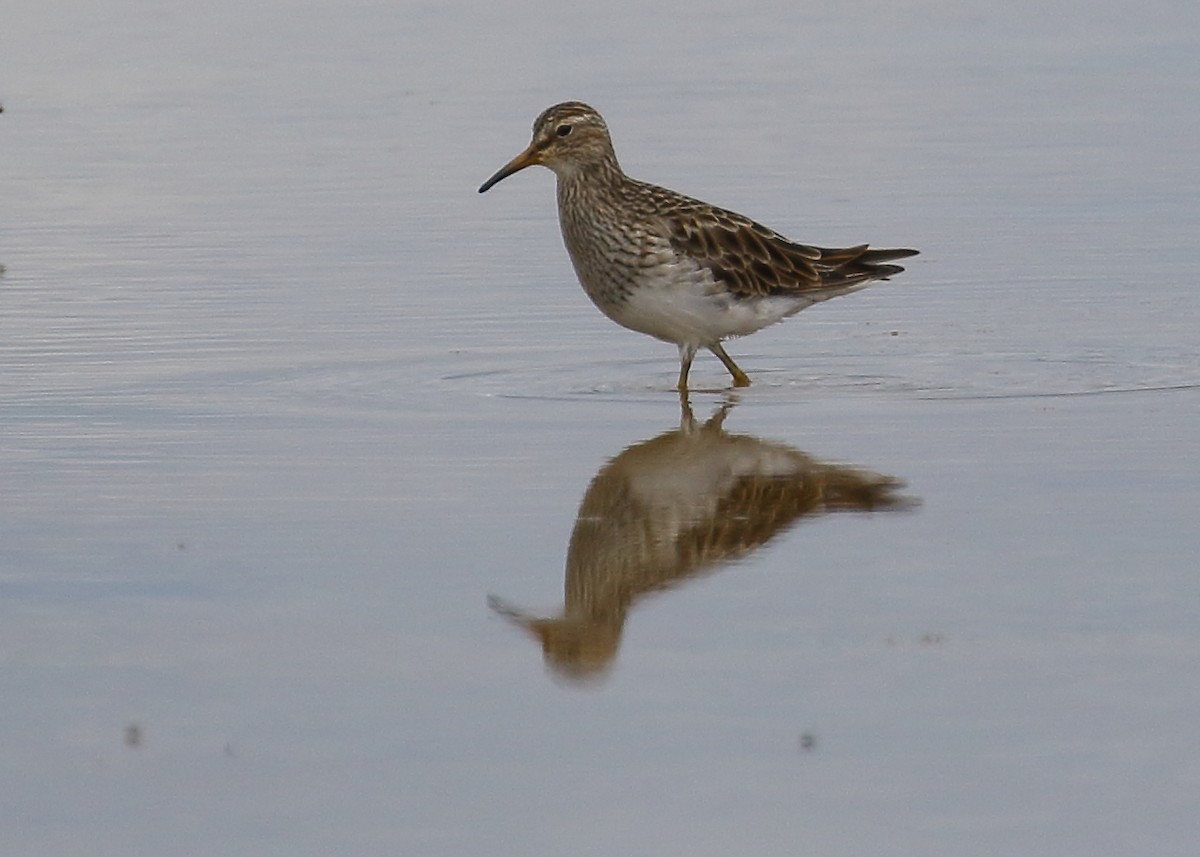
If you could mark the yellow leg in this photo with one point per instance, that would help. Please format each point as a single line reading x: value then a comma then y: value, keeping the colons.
x: 740, y: 378
x: 686, y: 353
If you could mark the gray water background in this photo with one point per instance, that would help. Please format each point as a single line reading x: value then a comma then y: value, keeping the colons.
x: 283, y: 401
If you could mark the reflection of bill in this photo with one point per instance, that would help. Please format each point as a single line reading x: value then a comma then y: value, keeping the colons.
x: 679, y: 505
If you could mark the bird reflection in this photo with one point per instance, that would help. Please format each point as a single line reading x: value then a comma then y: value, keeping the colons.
x: 678, y: 506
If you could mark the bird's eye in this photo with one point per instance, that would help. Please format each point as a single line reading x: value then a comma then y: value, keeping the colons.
x: 562, y: 130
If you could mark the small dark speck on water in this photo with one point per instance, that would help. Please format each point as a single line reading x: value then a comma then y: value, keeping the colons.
x: 133, y: 735
x: 808, y: 741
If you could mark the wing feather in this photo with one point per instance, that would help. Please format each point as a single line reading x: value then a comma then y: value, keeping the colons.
x: 747, y: 257
x: 752, y: 260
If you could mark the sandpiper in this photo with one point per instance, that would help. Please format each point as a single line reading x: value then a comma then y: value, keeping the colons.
x: 674, y: 267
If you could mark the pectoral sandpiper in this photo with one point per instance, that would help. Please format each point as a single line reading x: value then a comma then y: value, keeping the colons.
x: 674, y: 267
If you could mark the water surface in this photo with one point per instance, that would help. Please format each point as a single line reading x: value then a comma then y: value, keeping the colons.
x: 284, y: 401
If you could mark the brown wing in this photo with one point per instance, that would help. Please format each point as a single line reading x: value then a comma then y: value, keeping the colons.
x: 748, y: 258
x: 752, y: 260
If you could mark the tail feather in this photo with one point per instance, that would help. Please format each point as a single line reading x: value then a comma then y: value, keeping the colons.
x: 861, y: 264
x: 886, y: 254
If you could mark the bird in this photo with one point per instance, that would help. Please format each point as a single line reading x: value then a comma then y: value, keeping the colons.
x: 673, y: 267
x: 677, y: 507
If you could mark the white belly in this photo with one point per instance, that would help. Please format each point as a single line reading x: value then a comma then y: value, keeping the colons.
x: 679, y: 302
x: 640, y: 281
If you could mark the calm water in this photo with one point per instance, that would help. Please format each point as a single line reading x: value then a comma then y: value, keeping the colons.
x: 336, y: 520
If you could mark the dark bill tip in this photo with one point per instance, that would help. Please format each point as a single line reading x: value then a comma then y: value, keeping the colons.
x: 504, y: 173
x: 520, y: 162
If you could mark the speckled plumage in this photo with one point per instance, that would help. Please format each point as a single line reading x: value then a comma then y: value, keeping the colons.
x: 674, y: 267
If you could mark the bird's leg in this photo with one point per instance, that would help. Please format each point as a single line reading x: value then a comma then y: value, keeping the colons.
x: 686, y: 353
x: 740, y: 378
x: 687, y: 420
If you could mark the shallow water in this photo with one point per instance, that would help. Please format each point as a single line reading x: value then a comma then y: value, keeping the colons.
x: 285, y: 405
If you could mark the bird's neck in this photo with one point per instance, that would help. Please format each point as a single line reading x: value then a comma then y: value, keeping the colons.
x: 597, y: 174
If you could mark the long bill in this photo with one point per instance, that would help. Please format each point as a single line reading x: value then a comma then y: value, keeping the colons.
x: 527, y: 158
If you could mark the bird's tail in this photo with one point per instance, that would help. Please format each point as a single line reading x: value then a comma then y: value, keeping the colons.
x: 861, y: 263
